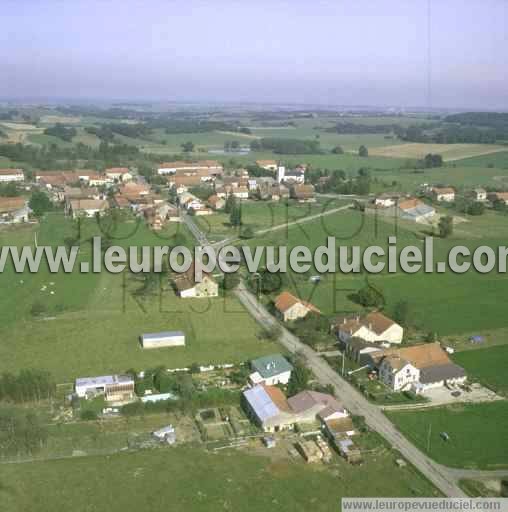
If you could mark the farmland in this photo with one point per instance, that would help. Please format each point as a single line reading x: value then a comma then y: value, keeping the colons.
x: 263, y: 215
x: 447, y: 151
x: 192, y: 480
x: 478, y: 433
x: 457, y: 175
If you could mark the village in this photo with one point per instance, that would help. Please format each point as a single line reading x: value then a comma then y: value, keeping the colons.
x: 277, y: 401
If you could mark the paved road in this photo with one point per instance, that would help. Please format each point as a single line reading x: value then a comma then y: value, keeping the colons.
x: 444, y: 478
x: 439, y: 475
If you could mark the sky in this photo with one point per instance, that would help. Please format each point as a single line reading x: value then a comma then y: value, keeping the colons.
x: 354, y: 52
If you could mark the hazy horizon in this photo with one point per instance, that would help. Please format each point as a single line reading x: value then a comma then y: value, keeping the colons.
x: 358, y: 53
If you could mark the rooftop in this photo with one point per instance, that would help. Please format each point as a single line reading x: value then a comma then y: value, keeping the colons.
x: 269, y: 366
x: 286, y: 300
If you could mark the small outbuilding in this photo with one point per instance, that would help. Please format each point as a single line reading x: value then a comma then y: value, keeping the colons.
x: 163, y: 339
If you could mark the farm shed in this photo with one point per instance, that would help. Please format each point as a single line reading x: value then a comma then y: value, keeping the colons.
x: 163, y: 339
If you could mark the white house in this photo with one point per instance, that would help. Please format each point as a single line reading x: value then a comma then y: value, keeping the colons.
x: 479, y: 194
x: 98, y: 180
x: 270, y: 370
x: 163, y: 339
x: 188, y: 287
x: 420, y: 368
x: 9, y: 175
x: 292, y: 308
x: 443, y: 194
x: 398, y: 373
x: 115, y: 388
x: 296, y: 175
x: 87, y: 207
x: 373, y: 327
x: 190, y: 201
x: 213, y: 167
x: 119, y: 173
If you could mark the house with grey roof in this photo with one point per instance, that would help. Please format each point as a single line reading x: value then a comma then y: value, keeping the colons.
x: 270, y: 370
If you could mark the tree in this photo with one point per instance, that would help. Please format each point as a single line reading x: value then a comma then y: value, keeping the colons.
x: 403, y: 313
x: 337, y: 150
x: 230, y: 203
x: 430, y: 337
x: 431, y: 160
x: 247, y: 232
x: 270, y: 333
x: 445, y: 226
x: 368, y: 296
x: 88, y: 415
x: 363, y: 151
x: 268, y: 282
x: 187, y: 147
x: 40, y: 203
x: 230, y: 281
x: 476, y: 208
x: 21, y: 432
x: 9, y: 190
x: 235, y: 217
x: 300, y: 376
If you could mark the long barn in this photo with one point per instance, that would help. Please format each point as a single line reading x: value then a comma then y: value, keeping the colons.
x: 163, y: 339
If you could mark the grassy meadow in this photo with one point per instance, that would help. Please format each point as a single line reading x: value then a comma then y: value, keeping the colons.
x: 187, y: 478
x: 427, y: 294
x: 88, y: 324
x: 447, y: 151
x: 478, y: 433
x: 487, y: 365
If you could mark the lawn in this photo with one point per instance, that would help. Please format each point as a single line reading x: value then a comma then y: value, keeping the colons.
x: 478, y: 433
x: 90, y: 324
x: 488, y: 365
x: 189, y: 479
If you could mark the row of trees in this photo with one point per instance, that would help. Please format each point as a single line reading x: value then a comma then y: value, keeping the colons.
x: 27, y: 386
x: 21, y: 432
x: 287, y: 146
x: 62, y: 132
x: 8, y: 190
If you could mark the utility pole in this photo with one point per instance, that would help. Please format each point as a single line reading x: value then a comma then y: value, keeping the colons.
x: 428, y: 438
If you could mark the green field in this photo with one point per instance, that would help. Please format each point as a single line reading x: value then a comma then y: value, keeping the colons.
x: 263, y: 215
x: 188, y: 479
x: 478, y: 433
x: 497, y: 160
x: 460, y: 176
x: 91, y: 322
x: 425, y: 293
x: 488, y: 365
